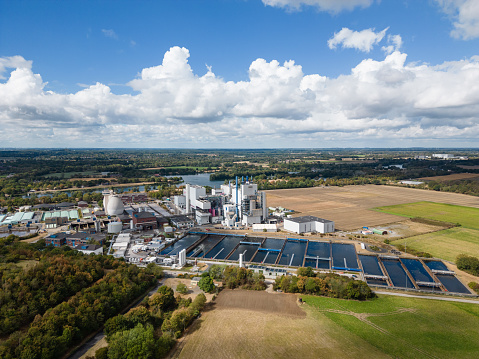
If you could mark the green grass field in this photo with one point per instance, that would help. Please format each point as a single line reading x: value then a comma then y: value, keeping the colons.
x: 407, y: 327
x: 446, y: 244
x: 468, y: 217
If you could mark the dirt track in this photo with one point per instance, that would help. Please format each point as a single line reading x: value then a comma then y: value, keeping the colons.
x: 350, y: 206
x: 284, y: 304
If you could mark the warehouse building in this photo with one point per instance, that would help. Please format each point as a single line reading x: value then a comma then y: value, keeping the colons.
x: 308, y: 224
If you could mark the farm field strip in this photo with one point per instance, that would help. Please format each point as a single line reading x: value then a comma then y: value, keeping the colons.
x: 466, y: 216
x: 453, y: 177
x: 351, y: 207
x: 446, y: 244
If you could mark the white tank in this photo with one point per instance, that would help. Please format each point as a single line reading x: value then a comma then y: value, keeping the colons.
x: 115, y: 206
x: 115, y: 227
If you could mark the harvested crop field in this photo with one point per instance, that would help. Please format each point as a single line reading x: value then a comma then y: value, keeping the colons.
x: 350, y: 207
x: 453, y: 177
x: 230, y: 332
x: 284, y: 304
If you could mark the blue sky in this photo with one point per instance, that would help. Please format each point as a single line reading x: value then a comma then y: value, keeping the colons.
x: 72, y: 73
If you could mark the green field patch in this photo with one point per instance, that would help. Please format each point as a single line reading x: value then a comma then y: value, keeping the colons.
x: 408, y: 327
x: 465, y: 216
x: 446, y: 244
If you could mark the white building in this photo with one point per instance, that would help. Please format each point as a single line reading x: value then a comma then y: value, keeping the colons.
x: 232, y: 205
x: 444, y: 156
x: 307, y: 224
x: 182, y: 258
x: 258, y: 227
x: 244, y: 204
x: 180, y: 202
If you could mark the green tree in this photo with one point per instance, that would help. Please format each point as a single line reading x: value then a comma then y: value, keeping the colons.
x: 164, y: 298
x: 138, y: 342
x: 155, y: 270
x: 216, y: 271
x: 206, y: 284
x: 102, y: 353
x: 306, y: 272
x: 181, y: 288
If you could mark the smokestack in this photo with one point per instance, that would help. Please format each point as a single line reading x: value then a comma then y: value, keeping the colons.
x: 236, y: 197
x: 187, y: 198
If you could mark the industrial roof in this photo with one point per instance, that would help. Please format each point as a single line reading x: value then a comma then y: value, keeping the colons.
x: 143, y: 215
x: 306, y: 219
x: 28, y: 215
x: 87, y: 247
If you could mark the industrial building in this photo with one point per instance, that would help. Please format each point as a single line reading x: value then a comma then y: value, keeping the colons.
x: 233, y: 205
x: 443, y: 156
x: 206, y: 208
x: 244, y: 204
x: 144, y: 219
x: 112, y: 203
x: 89, y: 249
x: 308, y: 224
x: 73, y: 239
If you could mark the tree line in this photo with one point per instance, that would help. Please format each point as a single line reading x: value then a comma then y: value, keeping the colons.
x: 323, y: 284
x: 151, y: 329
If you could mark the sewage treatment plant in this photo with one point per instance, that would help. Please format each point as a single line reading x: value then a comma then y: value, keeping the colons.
x: 385, y: 271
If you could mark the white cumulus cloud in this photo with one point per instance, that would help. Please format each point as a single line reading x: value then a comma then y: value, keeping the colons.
x: 465, y: 16
x: 334, y: 6
x: 361, y: 40
x: 387, y: 102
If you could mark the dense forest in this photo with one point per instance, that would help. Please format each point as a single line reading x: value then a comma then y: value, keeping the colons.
x: 63, y: 297
x: 150, y: 330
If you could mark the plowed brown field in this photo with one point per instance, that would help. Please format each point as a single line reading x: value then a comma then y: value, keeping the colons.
x: 350, y: 207
x: 248, y: 324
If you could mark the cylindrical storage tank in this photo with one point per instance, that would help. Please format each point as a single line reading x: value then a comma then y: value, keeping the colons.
x: 97, y: 226
x: 115, y: 227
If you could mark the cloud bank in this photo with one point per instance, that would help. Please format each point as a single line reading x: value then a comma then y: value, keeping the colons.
x: 379, y: 103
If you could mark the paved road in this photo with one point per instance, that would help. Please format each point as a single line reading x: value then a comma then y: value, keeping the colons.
x: 89, y: 344
x: 447, y: 299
